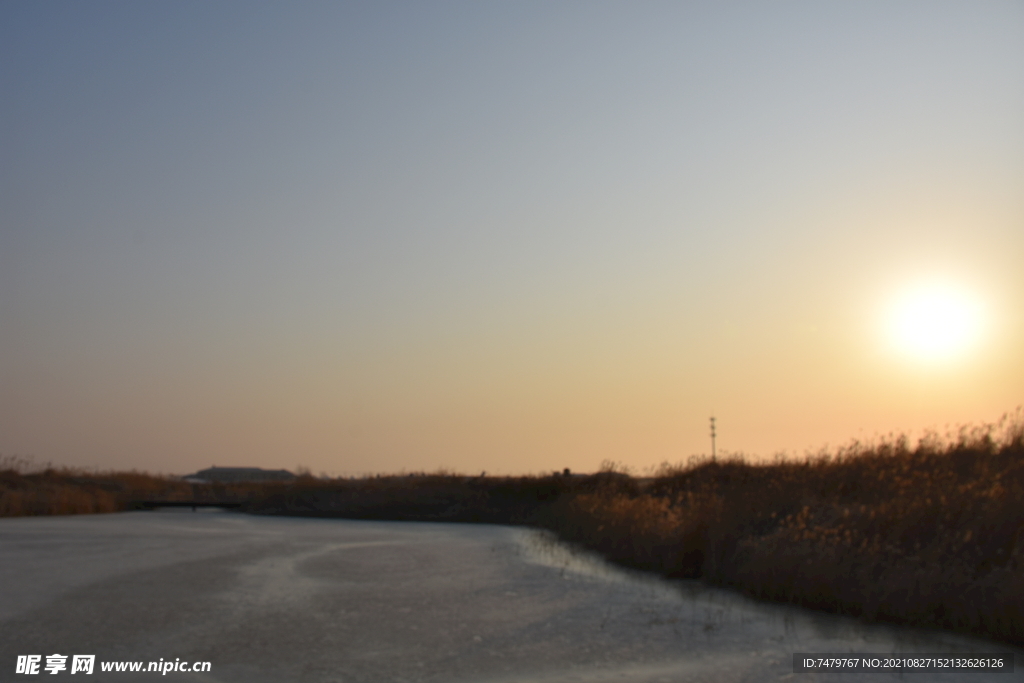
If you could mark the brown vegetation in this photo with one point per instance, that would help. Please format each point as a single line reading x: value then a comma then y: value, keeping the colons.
x: 440, y: 497
x: 25, y: 491
x: 930, y: 535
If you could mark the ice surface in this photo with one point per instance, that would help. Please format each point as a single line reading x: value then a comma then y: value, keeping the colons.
x: 329, y: 601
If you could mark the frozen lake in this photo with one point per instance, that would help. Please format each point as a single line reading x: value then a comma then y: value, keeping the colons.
x: 329, y: 601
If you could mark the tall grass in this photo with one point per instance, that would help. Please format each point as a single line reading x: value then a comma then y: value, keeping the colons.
x: 931, y: 535
x: 443, y: 497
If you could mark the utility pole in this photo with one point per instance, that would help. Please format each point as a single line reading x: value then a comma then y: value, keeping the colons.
x: 712, y: 437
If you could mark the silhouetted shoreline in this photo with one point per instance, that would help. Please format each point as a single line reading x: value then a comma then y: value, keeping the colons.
x: 929, y: 536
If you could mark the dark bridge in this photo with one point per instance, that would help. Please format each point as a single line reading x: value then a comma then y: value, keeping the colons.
x: 153, y: 504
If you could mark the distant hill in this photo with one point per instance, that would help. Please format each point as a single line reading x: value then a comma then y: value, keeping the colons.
x: 237, y: 474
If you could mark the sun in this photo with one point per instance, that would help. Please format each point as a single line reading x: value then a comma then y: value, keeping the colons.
x: 934, y: 322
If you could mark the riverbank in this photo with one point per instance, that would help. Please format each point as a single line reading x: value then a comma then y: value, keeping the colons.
x: 930, y: 535
x: 26, y: 490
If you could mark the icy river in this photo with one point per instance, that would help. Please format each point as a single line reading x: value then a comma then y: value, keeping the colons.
x: 276, y: 600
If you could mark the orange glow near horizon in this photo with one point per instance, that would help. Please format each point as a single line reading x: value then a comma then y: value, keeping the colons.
x: 362, y: 238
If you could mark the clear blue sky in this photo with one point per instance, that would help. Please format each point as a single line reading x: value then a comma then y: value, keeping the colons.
x: 502, y: 236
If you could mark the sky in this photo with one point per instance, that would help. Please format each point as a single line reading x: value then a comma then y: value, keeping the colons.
x: 504, y: 237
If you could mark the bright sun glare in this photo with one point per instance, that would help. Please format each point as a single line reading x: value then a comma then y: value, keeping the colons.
x: 934, y: 322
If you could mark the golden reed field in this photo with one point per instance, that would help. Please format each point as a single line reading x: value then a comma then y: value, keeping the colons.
x: 928, y: 535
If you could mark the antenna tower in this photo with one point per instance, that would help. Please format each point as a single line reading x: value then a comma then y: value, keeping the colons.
x: 712, y: 437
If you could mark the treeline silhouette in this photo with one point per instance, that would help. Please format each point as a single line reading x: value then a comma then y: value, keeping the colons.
x: 25, y: 490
